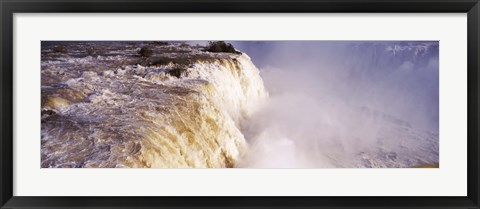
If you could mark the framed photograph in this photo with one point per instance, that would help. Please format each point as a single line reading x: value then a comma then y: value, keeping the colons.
x: 239, y: 104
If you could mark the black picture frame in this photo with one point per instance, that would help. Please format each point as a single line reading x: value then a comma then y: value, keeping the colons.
x: 9, y: 7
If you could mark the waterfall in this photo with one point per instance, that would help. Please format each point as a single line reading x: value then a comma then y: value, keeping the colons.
x: 328, y: 105
x: 143, y: 116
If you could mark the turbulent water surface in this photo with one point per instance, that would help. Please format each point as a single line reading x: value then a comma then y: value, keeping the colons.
x: 113, y: 108
x: 104, y: 105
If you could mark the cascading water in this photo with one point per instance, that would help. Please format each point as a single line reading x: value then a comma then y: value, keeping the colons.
x: 94, y: 115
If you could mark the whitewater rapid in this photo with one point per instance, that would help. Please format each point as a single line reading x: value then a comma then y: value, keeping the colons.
x: 142, y: 116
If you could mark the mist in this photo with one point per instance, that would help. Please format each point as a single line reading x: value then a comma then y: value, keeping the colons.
x: 344, y: 104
